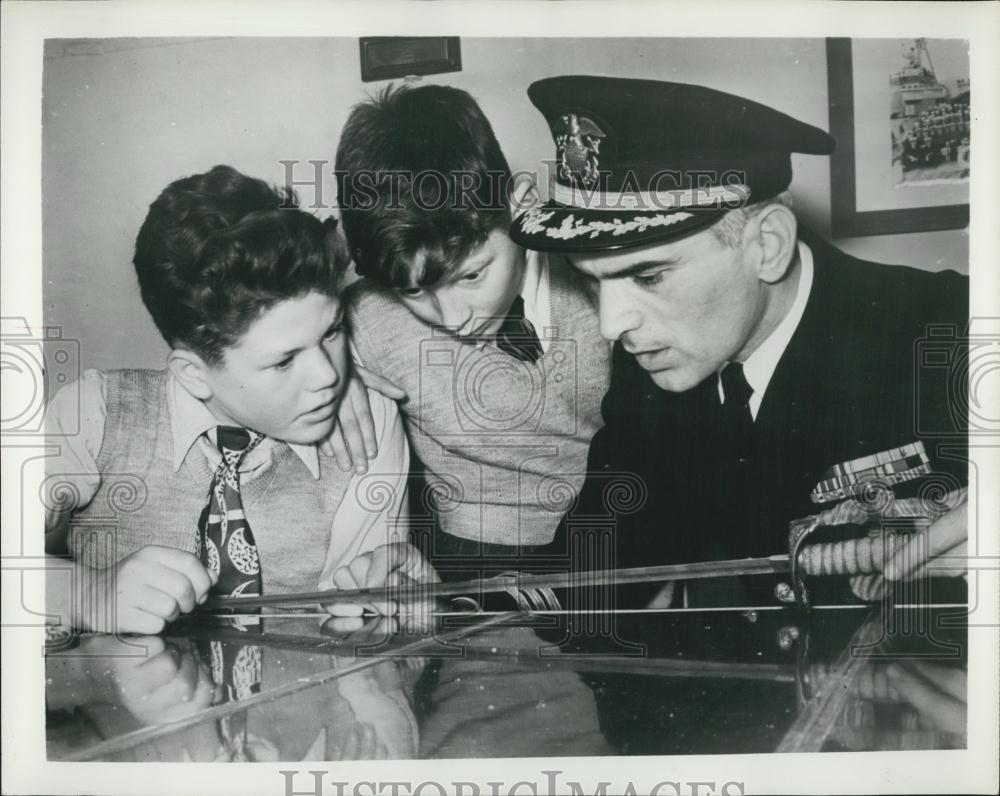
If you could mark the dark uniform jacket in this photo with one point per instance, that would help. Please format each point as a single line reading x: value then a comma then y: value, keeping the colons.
x: 855, y: 379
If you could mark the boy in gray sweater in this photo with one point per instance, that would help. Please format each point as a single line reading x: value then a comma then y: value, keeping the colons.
x: 204, y: 477
x: 498, y: 349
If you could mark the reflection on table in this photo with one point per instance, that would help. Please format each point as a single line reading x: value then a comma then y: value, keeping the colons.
x: 516, y: 685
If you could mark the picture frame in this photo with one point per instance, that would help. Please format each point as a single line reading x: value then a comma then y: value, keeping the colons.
x: 389, y: 57
x: 849, y: 218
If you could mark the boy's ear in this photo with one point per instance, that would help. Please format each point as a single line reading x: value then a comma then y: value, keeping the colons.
x: 523, y: 195
x: 191, y: 371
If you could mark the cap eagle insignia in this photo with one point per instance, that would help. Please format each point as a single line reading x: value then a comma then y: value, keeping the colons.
x: 578, y: 142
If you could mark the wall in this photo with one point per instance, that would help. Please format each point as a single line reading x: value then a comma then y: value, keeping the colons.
x: 123, y: 117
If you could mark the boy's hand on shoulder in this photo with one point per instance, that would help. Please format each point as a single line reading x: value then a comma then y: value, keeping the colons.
x: 373, y: 381
x: 143, y: 592
x: 396, y: 564
x: 353, y: 440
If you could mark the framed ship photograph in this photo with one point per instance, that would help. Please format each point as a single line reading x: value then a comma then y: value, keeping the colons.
x: 899, y: 109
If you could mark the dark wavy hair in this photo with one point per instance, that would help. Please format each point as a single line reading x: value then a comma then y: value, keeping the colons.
x: 218, y: 249
x: 419, y: 171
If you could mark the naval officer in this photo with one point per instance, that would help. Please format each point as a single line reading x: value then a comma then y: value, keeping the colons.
x: 753, y: 361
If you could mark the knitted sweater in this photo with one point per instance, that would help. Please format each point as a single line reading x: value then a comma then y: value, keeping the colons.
x: 142, y: 501
x: 504, y: 442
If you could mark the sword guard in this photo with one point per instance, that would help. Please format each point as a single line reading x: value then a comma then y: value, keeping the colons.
x: 799, y: 531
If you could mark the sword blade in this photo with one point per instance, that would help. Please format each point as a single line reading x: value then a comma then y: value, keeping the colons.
x: 520, y: 581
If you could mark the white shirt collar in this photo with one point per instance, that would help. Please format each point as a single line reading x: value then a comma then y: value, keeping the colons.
x: 759, y: 367
x: 535, y: 293
x: 190, y: 418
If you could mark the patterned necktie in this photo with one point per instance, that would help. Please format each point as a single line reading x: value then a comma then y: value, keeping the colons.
x: 736, y: 410
x: 239, y: 670
x: 226, y: 543
x: 517, y: 336
x: 226, y: 546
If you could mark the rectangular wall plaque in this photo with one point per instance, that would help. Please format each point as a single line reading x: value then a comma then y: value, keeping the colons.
x: 387, y: 57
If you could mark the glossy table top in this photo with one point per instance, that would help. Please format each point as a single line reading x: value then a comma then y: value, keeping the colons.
x: 514, y: 685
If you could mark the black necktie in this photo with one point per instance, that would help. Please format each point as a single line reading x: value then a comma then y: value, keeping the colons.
x: 516, y: 335
x: 736, y: 410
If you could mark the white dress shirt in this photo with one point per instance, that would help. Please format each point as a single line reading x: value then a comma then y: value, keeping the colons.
x: 535, y: 293
x: 759, y: 367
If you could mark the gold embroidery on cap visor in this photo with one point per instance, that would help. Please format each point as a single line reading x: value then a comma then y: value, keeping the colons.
x: 533, y: 223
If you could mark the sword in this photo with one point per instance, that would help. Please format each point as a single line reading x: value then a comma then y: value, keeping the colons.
x: 770, y: 565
